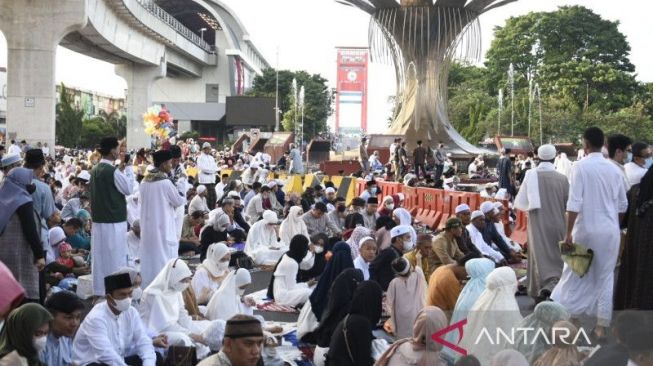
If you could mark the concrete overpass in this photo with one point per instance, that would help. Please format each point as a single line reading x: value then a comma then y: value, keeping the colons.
x: 187, y: 43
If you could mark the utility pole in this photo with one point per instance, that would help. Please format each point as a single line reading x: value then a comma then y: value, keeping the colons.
x: 276, y: 98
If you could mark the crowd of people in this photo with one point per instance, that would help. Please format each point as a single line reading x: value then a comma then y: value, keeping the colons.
x: 171, y: 242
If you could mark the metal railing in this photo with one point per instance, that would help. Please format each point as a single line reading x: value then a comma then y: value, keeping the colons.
x: 163, y: 15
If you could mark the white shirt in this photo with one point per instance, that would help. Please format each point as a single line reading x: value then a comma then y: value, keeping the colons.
x: 207, y: 169
x: 472, y: 169
x: 477, y: 238
x: 359, y: 263
x: 634, y: 174
x: 106, y: 338
x: 124, y: 181
x: 14, y: 149
x: 219, y: 190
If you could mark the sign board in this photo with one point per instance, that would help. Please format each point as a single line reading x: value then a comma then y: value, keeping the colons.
x: 29, y: 102
x: 351, y: 90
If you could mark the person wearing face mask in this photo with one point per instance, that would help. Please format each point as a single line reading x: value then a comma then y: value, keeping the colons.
x: 293, y: 225
x: 620, y: 152
x: 109, y: 186
x: 381, y: 267
x: 66, y: 309
x: 211, y: 272
x: 263, y: 244
x: 370, y: 190
x: 318, y: 246
x: 159, y: 200
x: 20, y: 243
x: 24, y: 335
x: 318, y: 222
x: 387, y: 206
x: 330, y: 196
x: 640, y: 163
x: 230, y: 298
x: 113, y: 333
x: 283, y: 285
x: 163, y: 312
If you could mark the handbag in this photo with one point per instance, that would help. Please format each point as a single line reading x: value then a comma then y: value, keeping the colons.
x: 578, y: 258
x: 181, y: 356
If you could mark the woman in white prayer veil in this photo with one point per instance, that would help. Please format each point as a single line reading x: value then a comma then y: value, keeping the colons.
x: 262, y: 244
x: 228, y: 300
x: 563, y: 165
x: 293, y: 225
x: 495, y: 309
x: 211, y: 272
x: 163, y: 312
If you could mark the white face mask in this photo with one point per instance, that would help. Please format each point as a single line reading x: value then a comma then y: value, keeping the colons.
x: 124, y: 304
x: 137, y: 293
x: 180, y: 286
x: 408, y: 245
x: 39, y: 343
x: 390, y: 206
x: 318, y: 249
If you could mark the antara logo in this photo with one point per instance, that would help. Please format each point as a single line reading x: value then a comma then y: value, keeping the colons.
x: 529, y: 336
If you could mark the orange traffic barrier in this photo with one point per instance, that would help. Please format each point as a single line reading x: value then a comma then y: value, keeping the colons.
x: 450, y: 200
x: 429, y: 210
x: 389, y: 188
x: 410, y: 199
x: 360, y: 186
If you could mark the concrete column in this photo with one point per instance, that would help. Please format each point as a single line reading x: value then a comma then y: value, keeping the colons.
x: 183, y: 126
x: 33, y: 29
x: 139, y: 98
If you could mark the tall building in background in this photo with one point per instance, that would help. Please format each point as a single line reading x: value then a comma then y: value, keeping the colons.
x: 351, y: 90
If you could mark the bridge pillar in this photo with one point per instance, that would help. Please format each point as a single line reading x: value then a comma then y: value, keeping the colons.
x: 33, y: 29
x: 139, y: 97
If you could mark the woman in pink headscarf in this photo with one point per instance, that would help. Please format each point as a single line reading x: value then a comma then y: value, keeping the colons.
x: 421, y: 349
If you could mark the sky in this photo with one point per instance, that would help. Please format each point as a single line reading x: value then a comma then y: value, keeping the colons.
x: 306, y: 33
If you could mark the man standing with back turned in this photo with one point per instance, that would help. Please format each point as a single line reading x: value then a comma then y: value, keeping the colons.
x: 109, y: 186
x: 597, y: 202
x: 543, y: 194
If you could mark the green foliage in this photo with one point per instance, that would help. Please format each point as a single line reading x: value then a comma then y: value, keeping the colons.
x: 318, y: 98
x: 189, y: 135
x: 93, y: 130
x: 68, y: 121
x: 580, y: 62
x: 117, y: 122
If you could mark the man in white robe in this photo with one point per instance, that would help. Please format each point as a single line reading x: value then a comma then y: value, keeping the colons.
x: 159, y: 200
x: 207, y: 168
x: 543, y: 194
x: 476, y: 236
x: 112, y: 332
x: 597, y: 202
x: 198, y: 203
x: 178, y: 177
x: 109, y: 185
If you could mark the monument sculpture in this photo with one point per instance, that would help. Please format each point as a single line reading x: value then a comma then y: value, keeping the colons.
x: 421, y: 38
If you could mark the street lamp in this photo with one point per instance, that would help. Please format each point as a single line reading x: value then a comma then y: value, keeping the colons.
x: 202, y: 30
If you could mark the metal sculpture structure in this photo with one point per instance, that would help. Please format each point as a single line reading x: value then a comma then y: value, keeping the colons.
x: 421, y: 38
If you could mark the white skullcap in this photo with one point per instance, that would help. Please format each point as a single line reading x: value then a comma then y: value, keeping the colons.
x: 206, y: 145
x: 498, y: 205
x: 399, y: 231
x: 401, y: 196
x: 546, y: 152
x: 502, y: 194
x: 272, y: 184
x: 487, y: 207
x: 330, y: 190
x: 246, y: 166
x: 270, y: 217
x: 233, y: 194
x: 462, y: 207
x: 364, y: 239
x: 201, y: 189
x: 477, y: 214
x: 10, y: 159
x: 280, y: 182
x: 84, y: 175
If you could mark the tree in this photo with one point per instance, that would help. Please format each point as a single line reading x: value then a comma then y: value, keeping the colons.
x: 317, y: 101
x: 68, y: 120
x: 571, y: 52
x: 93, y: 130
x: 116, y: 120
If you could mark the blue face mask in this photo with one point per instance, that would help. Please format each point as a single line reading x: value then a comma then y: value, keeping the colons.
x: 629, y: 158
x: 648, y: 162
